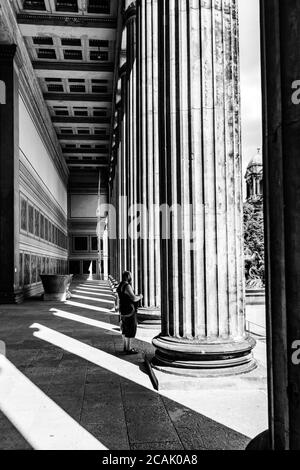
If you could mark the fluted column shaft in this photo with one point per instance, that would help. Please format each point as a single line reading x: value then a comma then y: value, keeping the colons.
x: 118, y: 214
x: 203, y: 319
x: 105, y: 254
x: 119, y: 194
x: 148, y: 153
x: 112, y: 242
x: 123, y: 173
x: 120, y: 175
x: 131, y: 141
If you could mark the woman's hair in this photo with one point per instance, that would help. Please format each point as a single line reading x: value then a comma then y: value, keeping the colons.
x: 126, y: 277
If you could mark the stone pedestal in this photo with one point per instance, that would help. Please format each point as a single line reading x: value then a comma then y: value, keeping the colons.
x: 9, y: 177
x: 202, y: 300
x: 255, y: 296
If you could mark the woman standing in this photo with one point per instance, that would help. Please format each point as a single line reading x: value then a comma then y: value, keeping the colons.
x: 128, y: 310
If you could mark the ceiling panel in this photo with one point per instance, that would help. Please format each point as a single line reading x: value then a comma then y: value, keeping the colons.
x: 72, y: 45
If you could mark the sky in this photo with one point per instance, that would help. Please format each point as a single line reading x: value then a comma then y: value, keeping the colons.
x: 250, y: 79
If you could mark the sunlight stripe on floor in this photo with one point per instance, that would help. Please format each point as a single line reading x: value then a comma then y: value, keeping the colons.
x: 90, y: 307
x: 42, y: 423
x: 104, y: 297
x: 83, y: 297
x: 100, y: 358
x: 85, y: 320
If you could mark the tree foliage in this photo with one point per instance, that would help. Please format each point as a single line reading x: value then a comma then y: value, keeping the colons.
x: 254, y: 243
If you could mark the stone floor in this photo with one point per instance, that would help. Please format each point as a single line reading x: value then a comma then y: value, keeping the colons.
x: 66, y: 384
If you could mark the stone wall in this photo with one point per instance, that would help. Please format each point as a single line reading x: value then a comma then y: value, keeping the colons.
x: 43, y: 244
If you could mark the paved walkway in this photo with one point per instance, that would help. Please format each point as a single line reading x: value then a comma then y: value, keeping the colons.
x: 65, y: 384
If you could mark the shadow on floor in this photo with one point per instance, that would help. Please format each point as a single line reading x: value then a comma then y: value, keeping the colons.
x: 73, y: 353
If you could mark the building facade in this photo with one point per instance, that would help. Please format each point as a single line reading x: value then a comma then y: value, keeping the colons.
x: 141, y: 99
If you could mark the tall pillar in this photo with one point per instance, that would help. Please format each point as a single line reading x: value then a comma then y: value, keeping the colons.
x: 123, y: 173
x: 202, y: 301
x: 148, y: 161
x: 117, y: 208
x: 112, y: 241
x: 9, y: 177
x: 105, y: 252
x: 118, y: 175
x: 131, y: 138
x: 281, y: 84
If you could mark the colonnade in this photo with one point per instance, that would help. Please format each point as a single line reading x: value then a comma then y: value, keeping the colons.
x: 177, y: 153
x: 135, y: 176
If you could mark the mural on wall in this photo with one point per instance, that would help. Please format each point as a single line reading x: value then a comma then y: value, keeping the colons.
x: 42, y: 227
x: 30, y: 218
x: 31, y: 266
x: 21, y: 258
x: 35, y: 223
x: 46, y: 230
x: 23, y: 214
x: 25, y: 279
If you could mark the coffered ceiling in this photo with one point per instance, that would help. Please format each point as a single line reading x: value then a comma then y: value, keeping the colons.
x: 72, y: 46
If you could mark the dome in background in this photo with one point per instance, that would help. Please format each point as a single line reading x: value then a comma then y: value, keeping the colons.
x: 254, y: 177
x: 257, y: 160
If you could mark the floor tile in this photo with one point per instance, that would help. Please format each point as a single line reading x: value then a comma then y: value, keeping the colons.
x: 118, y: 410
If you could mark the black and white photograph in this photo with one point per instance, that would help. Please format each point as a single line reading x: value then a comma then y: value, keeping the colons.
x: 149, y: 228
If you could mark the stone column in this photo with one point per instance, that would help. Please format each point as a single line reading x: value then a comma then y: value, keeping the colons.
x: 117, y: 208
x: 118, y: 175
x: 202, y: 272
x: 111, y: 230
x: 105, y: 252
x: 148, y: 161
x: 281, y: 84
x: 123, y: 173
x: 131, y: 138
x: 117, y: 158
x: 9, y: 177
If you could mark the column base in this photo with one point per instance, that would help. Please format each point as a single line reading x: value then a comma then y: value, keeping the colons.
x: 195, y: 358
x: 149, y: 317
x: 14, y: 297
x: 260, y: 442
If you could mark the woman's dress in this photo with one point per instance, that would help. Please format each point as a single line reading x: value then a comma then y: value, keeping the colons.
x: 128, y: 309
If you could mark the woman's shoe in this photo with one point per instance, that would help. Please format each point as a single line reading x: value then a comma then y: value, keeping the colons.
x: 132, y: 351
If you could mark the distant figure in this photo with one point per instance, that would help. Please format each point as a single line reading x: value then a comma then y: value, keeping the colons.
x: 128, y: 311
x: 90, y: 278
